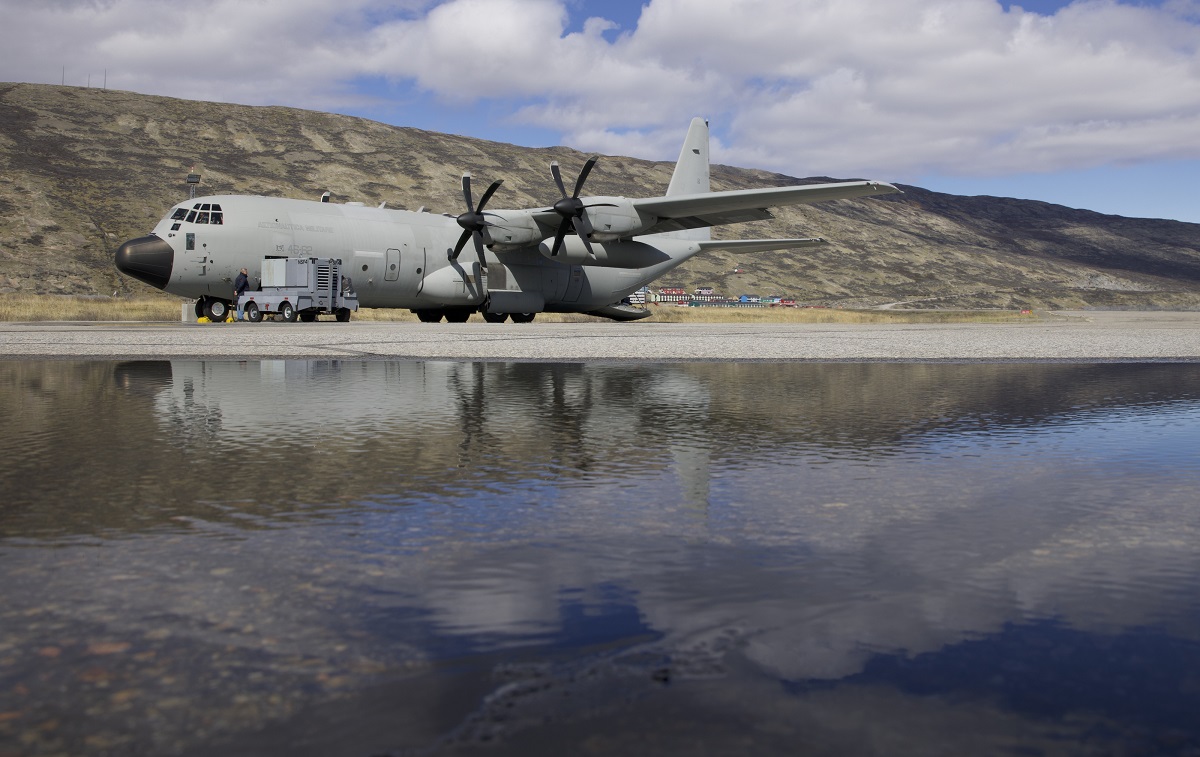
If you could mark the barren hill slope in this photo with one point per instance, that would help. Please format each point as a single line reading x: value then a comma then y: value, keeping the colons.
x: 82, y: 170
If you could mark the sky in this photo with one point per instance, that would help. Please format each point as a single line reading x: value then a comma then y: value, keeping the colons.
x: 1091, y: 104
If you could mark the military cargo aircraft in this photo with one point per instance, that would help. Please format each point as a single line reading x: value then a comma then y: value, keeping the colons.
x: 583, y: 254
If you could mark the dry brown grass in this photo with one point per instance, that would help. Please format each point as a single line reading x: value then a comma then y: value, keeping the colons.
x: 26, y: 307
x: 54, y: 307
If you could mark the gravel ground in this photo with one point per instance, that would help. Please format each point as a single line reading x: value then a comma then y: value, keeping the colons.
x: 1080, y: 336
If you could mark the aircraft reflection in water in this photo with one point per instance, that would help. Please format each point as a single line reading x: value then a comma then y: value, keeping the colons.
x: 898, y: 545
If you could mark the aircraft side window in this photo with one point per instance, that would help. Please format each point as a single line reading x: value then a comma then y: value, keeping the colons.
x: 179, y: 214
x: 196, y: 206
x: 216, y: 206
x: 175, y: 226
x: 205, y: 206
x: 191, y: 216
x: 203, y: 217
x: 217, y: 217
x: 191, y: 242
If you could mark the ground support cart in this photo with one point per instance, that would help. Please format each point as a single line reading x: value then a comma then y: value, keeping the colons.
x: 300, y: 288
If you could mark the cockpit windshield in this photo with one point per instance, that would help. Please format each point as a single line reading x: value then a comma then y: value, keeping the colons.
x: 205, y: 212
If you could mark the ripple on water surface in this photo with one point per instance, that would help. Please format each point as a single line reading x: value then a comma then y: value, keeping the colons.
x: 257, y: 557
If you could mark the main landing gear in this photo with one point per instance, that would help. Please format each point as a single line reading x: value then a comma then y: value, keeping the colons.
x: 460, y: 315
x: 213, y: 309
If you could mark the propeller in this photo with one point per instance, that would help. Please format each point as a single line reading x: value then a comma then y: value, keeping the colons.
x: 572, y: 209
x: 474, y: 221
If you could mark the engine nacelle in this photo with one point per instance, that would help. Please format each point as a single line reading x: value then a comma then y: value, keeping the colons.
x: 453, y: 285
x: 615, y: 218
x: 513, y: 229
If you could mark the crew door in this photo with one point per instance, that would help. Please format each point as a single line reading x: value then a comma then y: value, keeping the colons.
x: 404, y: 268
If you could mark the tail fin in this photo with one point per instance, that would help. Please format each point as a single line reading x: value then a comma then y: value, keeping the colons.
x: 691, y: 170
x: 691, y: 173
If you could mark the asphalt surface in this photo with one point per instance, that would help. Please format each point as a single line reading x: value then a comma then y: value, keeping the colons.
x: 1082, y: 336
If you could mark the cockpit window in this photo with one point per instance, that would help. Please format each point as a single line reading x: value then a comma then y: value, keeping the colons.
x: 200, y: 213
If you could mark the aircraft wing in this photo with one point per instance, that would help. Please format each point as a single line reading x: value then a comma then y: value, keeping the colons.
x: 695, y: 211
x: 758, y: 245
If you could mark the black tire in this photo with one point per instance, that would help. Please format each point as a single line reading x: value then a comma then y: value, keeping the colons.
x: 253, y: 314
x: 200, y: 308
x: 523, y: 317
x: 343, y: 315
x: 287, y: 312
x: 458, y: 315
x: 308, y: 316
x: 216, y: 310
x: 429, y: 316
x: 495, y: 317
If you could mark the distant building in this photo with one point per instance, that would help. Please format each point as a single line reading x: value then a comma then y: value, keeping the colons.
x: 672, y: 296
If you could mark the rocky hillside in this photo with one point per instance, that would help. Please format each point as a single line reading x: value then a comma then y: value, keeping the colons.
x: 82, y: 170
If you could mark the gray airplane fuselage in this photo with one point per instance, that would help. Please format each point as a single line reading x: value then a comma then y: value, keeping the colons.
x: 396, y: 258
x: 583, y: 254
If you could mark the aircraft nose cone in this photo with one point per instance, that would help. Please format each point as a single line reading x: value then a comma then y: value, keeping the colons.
x: 147, y: 259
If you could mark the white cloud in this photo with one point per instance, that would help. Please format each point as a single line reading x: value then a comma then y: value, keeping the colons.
x: 843, y: 88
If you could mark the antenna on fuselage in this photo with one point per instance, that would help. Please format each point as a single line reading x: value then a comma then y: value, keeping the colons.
x: 193, y: 180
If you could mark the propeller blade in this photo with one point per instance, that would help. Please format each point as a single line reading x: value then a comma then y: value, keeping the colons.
x: 478, y: 237
x: 572, y: 209
x: 488, y: 195
x: 587, y: 169
x: 554, y: 170
x: 482, y: 260
x: 558, y: 238
x: 466, y: 187
x: 581, y: 228
x: 472, y: 221
x: 462, y: 241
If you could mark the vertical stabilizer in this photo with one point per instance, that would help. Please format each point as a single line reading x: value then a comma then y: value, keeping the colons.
x: 691, y: 170
x: 691, y: 173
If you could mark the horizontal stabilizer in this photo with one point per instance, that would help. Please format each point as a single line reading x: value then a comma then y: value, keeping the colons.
x: 676, y: 213
x: 759, y: 245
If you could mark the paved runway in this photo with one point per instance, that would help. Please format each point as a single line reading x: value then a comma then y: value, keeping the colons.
x: 1090, y: 336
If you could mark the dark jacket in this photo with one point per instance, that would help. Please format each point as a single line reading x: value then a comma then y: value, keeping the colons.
x: 241, y: 284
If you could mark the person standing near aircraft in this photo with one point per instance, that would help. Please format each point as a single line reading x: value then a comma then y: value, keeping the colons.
x: 240, y: 285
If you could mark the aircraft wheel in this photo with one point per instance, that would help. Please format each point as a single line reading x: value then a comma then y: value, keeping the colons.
x: 523, y: 317
x: 308, y: 316
x: 200, y: 308
x: 216, y: 310
x: 495, y: 317
x: 457, y: 315
x: 253, y: 314
x: 429, y: 316
x: 343, y: 315
x: 287, y: 312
